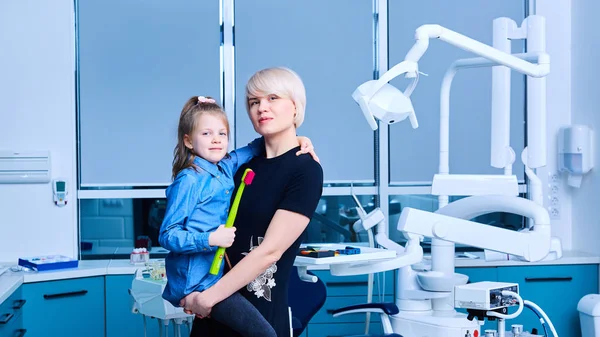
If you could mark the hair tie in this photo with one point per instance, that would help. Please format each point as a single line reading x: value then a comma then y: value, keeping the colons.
x: 203, y: 99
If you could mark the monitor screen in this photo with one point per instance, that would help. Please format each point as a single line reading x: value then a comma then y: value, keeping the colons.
x: 60, y: 186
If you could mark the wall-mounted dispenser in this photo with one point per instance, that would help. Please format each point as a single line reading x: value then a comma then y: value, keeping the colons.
x: 24, y: 167
x: 575, y: 152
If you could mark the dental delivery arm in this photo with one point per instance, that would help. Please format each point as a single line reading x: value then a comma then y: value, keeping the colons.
x: 405, y: 256
x: 446, y: 224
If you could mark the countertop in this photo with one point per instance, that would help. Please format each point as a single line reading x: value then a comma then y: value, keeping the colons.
x: 8, y: 284
x: 10, y: 280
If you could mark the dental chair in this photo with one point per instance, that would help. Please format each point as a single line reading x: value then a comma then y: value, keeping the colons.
x: 304, y: 307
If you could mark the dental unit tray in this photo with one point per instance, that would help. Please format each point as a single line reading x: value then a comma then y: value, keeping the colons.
x: 325, y: 254
x: 49, y: 262
x: 318, y: 252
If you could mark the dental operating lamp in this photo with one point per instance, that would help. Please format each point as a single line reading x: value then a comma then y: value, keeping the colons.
x: 379, y: 99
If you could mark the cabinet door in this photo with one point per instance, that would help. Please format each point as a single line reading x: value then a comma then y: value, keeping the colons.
x: 120, y: 320
x: 356, y: 285
x: 556, y: 289
x: 343, y: 330
x: 66, y: 308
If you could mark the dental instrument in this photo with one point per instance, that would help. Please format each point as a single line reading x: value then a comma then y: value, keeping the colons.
x: 247, y: 178
x: 430, y: 312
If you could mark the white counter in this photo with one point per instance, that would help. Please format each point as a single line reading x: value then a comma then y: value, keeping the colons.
x: 10, y: 281
x: 8, y: 284
x: 569, y: 257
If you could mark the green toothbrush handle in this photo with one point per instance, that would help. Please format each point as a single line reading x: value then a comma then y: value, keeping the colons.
x: 220, y: 254
x: 216, y: 264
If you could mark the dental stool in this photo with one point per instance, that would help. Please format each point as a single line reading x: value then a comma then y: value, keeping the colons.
x: 304, y: 307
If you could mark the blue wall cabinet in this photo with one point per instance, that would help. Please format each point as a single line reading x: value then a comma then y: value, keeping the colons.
x: 11, y: 318
x: 556, y: 289
x: 66, y: 308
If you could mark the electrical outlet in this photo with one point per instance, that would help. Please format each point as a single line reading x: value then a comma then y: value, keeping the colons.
x: 554, y: 213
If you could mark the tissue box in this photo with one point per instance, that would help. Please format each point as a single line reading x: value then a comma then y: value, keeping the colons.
x: 49, y: 262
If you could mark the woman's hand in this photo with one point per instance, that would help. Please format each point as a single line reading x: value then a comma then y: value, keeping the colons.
x: 197, y: 303
x: 306, y: 146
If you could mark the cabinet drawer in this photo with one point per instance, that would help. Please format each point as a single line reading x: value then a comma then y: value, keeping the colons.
x: 356, y: 285
x: 325, y: 315
x: 13, y: 327
x: 342, y: 330
x: 67, y: 308
x: 556, y: 289
x: 10, y: 309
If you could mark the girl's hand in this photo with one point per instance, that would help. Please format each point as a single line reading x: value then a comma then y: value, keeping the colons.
x: 222, y: 237
x: 306, y: 146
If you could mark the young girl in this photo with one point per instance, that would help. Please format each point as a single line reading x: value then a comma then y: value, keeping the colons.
x: 198, y: 202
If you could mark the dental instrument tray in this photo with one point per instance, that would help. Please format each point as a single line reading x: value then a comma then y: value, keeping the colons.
x: 328, y: 253
x: 318, y: 252
x: 48, y: 262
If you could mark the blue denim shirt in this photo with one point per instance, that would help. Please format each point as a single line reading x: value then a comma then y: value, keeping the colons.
x: 198, y: 203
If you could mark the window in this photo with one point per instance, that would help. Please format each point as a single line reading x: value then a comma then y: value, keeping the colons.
x: 414, y: 154
x: 333, y: 54
x: 137, y: 65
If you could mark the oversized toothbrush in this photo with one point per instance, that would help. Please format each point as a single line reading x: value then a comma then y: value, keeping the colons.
x: 246, y: 180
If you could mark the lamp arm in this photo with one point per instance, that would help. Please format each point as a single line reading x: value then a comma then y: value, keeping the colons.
x: 426, y: 32
x: 403, y: 67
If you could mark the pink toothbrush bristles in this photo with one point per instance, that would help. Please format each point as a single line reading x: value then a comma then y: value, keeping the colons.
x: 249, y: 177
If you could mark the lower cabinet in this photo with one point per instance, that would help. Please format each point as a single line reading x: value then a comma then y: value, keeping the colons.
x: 102, y: 307
x: 66, y: 308
x: 555, y: 288
x: 11, y: 317
x: 341, y: 330
x: 344, y: 291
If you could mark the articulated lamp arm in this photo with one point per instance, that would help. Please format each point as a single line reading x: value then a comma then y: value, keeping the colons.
x: 426, y: 32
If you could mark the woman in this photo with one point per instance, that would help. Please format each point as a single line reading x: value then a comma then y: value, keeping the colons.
x: 274, y: 211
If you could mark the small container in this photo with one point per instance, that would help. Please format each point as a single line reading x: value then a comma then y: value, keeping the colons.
x: 139, y: 256
x: 157, y: 270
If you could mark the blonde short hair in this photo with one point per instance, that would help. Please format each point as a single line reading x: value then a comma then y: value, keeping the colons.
x: 282, y: 82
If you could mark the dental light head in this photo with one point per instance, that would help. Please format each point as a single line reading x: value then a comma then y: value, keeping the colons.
x: 379, y: 99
